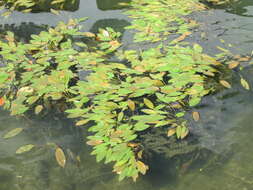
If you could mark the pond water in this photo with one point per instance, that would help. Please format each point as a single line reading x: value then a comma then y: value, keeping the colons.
x: 224, y: 160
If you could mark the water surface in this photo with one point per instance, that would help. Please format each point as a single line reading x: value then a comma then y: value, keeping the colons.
x: 224, y: 160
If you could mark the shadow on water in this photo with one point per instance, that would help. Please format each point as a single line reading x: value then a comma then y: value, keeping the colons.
x: 112, y: 4
x: 23, y: 31
x: 116, y: 24
x: 240, y: 7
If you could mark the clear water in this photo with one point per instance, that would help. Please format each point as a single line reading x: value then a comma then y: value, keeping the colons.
x: 224, y: 161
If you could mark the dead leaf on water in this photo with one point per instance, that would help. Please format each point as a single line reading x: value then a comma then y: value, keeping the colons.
x: 225, y: 83
x: 195, y: 116
x: 60, y: 157
x: 233, y: 64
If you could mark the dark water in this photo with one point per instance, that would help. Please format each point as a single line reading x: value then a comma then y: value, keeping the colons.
x: 225, y: 129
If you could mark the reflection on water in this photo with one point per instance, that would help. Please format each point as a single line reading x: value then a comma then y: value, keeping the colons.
x: 242, y: 7
x: 222, y: 162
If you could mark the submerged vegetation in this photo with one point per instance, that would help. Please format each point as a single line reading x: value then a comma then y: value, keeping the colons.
x: 123, y: 92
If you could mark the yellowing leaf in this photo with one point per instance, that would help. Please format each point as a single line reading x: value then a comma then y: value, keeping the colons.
x: 82, y: 122
x: 225, y: 84
x: 195, y: 116
x: 60, y: 157
x: 171, y: 132
x: 89, y: 34
x: 233, y: 64
x: 38, y: 109
x: 13, y: 133
x: 131, y: 104
x: 24, y: 148
x: 54, y: 11
x: 182, y: 37
x: 94, y: 142
x: 139, y: 154
x: 148, y: 103
x: 142, y: 167
x: 245, y: 84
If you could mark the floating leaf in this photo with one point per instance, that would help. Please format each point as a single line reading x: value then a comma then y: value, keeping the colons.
x: 148, y: 103
x: 82, y: 122
x: 1, y: 101
x: 38, y: 109
x: 171, y: 132
x: 225, y: 84
x: 120, y: 116
x: 94, y: 142
x: 195, y: 116
x: 54, y: 11
x: 179, y: 131
x: 245, y: 84
x: 184, y: 132
x: 131, y: 104
x: 233, y: 64
x: 60, y: 157
x: 13, y: 133
x: 142, y: 167
x: 24, y: 148
x: 139, y: 154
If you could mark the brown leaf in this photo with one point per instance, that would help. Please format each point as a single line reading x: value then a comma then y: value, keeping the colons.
x: 1, y: 101
x: 244, y: 59
x: 182, y: 37
x: 225, y: 84
x: 60, y: 157
x: 233, y: 64
x: 195, y: 116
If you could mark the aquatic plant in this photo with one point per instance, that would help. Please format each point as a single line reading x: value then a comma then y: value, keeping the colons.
x: 42, y: 71
x: 116, y: 99
x: 156, y: 20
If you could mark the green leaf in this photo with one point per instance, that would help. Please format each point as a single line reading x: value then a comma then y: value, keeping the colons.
x: 38, y: 109
x: 13, y: 133
x: 245, y: 84
x: 148, y: 103
x: 25, y: 148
